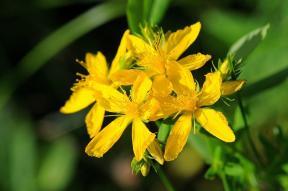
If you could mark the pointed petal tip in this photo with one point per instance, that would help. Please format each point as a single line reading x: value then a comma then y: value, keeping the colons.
x: 90, y: 153
x: 62, y: 110
x: 161, y: 162
x: 66, y: 110
x: 169, y: 158
x: 230, y: 139
x: 198, y: 23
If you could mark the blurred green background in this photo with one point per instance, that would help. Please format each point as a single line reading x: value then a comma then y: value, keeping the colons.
x: 41, y: 149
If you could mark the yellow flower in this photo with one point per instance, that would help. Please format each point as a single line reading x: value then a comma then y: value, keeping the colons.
x: 135, y: 109
x: 83, y: 94
x: 193, y: 104
x: 159, y: 53
x: 228, y: 87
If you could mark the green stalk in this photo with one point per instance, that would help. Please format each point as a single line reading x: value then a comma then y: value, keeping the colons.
x: 225, y: 182
x: 249, y: 136
x: 164, y: 130
x: 166, y: 182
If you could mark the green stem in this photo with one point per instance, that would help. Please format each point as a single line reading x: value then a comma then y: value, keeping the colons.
x: 166, y: 182
x: 249, y: 136
x: 164, y: 130
x: 225, y: 182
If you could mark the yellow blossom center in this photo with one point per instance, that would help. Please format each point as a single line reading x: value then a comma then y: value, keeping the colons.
x: 132, y: 110
x: 187, y: 103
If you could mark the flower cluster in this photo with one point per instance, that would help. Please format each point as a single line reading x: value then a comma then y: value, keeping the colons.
x: 148, y: 80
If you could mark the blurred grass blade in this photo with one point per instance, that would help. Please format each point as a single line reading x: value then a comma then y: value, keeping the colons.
x: 246, y: 44
x: 266, y: 83
x: 135, y: 12
x: 17, y: 151
x: 148, y: 12
x: 203, y: 146
x: 57, y: 41
x: 56, y: 169
x: 22, y: 155
x: 158, y: 10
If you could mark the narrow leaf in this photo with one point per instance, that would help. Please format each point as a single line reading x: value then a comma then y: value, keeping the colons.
x: 148, y: 12
x: 246, y: 44
x: 58, y: 165
x: 158, y: 10
x: 134, y: 12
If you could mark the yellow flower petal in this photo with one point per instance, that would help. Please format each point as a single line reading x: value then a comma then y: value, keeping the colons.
x: 230, y: 87
x: 215, y: 123
x: 106, y: 138
x: 156, y: 152
x: 140, y: 88
x: 125, y: 77
x: 141, y: 138
x: 96, y: 65
x: 211, y: 90
x: 224, y: 68
x: 180, y: 77
x: 149, y: 108
x: 111, y: 99
x: 94, y: 120
x: 139, y: 47
x: 161, y: 86
x: 80, y: 98
x: 180, y: 40
x: 178, y: 137
x: 194, y: 61
x: 145, y: 169
x: 122, y: 49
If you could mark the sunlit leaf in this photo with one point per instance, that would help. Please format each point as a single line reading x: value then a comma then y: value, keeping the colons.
x: 246, y: 44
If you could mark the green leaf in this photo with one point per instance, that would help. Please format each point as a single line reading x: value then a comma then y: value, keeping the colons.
x: 23, y: 158
x: 285, y: 168
x: 17, y: 151
x: 233, y: 169
x: 56, y: 42
x: 203, y: 146
x: 148, y: 12
x: 216, y: 165
x: 231, y: 23
x: 266, y: 83
x: 246, y: 44
x: 158, y: 11
x: 238, y: 122
x: 135, y: 14
x: 58, y: 165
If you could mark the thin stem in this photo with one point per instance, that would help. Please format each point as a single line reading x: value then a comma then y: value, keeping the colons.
x: 255, y: 151
x: 166, y: 182
x: 225, y: 182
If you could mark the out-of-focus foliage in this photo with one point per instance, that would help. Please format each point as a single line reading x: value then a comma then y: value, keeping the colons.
x: 142, y: 13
